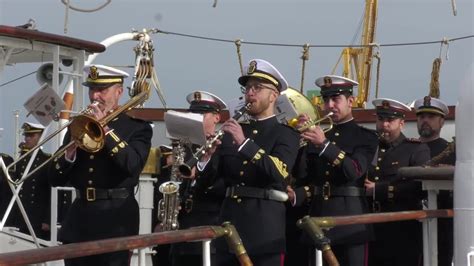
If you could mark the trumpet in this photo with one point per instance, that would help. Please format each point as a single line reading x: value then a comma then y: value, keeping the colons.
x: 185, y: 168
x: 312, y: 123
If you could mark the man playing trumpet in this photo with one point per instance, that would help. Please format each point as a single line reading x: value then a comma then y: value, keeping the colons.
x: 335, y: 163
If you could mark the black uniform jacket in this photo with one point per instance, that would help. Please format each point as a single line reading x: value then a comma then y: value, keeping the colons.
x: 263, y: 162
x: 34, y: 195
x: 117, y: 165
x: 343, y: 164
x: 201, y: 202
x: 438, y: 146
x: 5, y: 192
x: 391, y: 192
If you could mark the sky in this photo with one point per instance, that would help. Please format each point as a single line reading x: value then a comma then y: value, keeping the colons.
x: 187, y: 64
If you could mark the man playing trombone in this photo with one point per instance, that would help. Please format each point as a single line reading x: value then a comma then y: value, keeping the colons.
x: 105, y: 205
x: 254, y: 159
x: 335, y: 163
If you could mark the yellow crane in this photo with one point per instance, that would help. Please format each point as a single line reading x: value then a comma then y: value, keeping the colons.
x: 357, y: 62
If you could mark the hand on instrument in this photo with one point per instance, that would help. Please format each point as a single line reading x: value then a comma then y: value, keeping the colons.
x: 232, y: 127
x: 210, y: 150
x: 302, y: 119
x: 97, y: 113
x: 315, y: 135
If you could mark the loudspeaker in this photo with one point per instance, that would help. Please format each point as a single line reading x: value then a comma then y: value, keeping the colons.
x: 45, y: 74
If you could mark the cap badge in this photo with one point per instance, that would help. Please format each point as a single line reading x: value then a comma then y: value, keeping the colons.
x: 327, y: 82
x: 385, y: 104
x: 197, y: 96
x: 94, y: 74
x: 427, y: 101
x: 252, y: 67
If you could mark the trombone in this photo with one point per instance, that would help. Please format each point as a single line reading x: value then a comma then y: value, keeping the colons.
x: 86, y: 132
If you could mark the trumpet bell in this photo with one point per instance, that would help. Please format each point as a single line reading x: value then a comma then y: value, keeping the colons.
x: 301, y: 104
x: 88, y: 133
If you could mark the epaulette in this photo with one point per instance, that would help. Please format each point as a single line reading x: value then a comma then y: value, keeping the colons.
x: 413, y: 140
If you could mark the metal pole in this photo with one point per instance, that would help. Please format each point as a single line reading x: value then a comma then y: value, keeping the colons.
x: 206, y: 252
x: 16, y: 115
x: 318, y: 257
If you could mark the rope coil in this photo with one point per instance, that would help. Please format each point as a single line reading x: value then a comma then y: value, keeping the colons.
x: 238, y: 44
x: 304, y: 57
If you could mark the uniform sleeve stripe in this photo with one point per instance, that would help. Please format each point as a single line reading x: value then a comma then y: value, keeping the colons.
x: 281, y: 167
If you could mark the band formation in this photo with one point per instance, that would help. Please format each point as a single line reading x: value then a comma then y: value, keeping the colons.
x: 255, y: 171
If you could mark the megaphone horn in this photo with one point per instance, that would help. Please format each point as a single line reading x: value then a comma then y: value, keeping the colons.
x: 45, y: 74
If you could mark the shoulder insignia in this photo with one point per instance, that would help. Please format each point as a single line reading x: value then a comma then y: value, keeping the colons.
x: 413, y: 140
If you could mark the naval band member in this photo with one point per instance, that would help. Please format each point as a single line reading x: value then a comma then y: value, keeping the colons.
x: 397, y: 243
x: 105, y: 205
x: 430, y: 114
x: 35, y: 191
x: 335, y: 164
x: 254, y: 160
x: 201, y: 199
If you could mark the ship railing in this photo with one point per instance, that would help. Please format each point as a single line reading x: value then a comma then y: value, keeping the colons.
x: 313, y: 225
x: 432, y: 178
x: 54, y: 226
x: 67, y: 251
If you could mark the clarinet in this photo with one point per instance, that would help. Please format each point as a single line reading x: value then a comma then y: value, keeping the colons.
x: 185, y: 168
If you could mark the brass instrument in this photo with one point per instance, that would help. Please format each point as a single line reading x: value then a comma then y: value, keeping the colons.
x: 168, y: 206
x: 178, y: 154
x: 312, y: 123
x: 86, y: 132
x: 41, y: 143
x: 185, y: 168
x: 303, y: 105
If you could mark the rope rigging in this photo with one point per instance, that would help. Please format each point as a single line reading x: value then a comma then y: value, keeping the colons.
x: 313, y: 45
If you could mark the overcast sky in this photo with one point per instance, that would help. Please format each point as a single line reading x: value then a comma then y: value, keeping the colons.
x: 185, y: 64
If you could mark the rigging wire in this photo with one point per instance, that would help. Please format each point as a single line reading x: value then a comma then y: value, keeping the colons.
x: 359, y: 29
x: 311, y: 46
x: 240, y: 41
x: 13, y: 80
